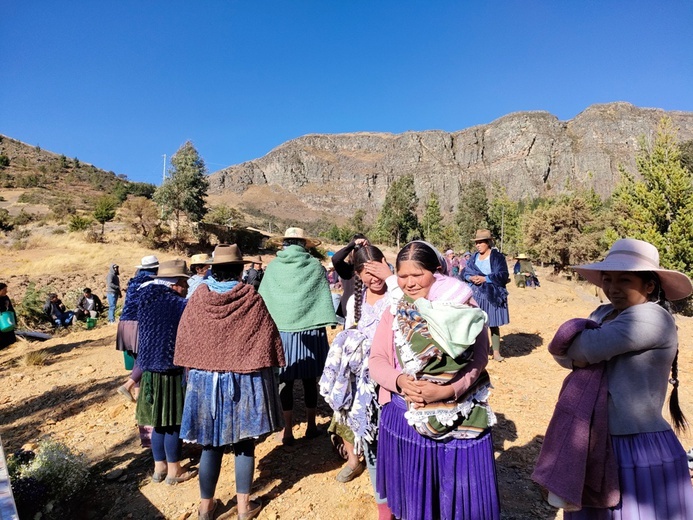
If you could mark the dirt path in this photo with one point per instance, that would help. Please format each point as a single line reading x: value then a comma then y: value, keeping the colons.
x: 72, y: 398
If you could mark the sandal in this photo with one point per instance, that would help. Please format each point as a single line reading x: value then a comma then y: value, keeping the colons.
x: 209, y: 515
x: 338, y: 446
x: 126, y: 394
x: 183, y: 477
x: 157, y: 478
x: 348, y: 474
x: 253, y: 512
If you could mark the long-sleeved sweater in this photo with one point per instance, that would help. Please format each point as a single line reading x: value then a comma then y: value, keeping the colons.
x: 638, y: 346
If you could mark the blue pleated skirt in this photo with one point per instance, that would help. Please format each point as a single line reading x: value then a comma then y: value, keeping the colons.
x: 497, y: 315
x: 654, y: 480
x: 424, y: 479
x: 305, y: 354
x: 223, y: 408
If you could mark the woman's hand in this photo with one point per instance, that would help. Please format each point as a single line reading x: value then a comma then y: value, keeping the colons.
x: 378, y: 269
x: 432, y: 393
x: 477, y: 280
x: 409, y: 388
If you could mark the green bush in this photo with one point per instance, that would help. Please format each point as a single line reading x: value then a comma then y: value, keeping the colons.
x: 23, y: 218
x: 30, y: 313
x: 79, y: 223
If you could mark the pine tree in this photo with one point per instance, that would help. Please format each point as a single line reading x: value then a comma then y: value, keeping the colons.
x: 185, y: 189
x: 432, y: 222
x: 472, y: 211
x: 397, y: 219
x: 659, y: 208
x: 105, y: 210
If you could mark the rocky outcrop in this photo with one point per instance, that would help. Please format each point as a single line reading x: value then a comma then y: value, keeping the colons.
x: 530, y: 154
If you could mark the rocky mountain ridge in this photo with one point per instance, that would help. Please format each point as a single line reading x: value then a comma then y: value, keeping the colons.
x: 530, y: 154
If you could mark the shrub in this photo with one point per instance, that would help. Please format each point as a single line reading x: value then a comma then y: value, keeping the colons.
x: 23, y: 218
x: 55, y: 465
x: 35, y: 358
x: 79, y: 223
x: 58, y: 231
x: 30, y: 310
x: 5, y: 220
x: 4, y: 161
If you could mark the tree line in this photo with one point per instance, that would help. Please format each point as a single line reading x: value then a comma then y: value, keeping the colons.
x: 656, y: 206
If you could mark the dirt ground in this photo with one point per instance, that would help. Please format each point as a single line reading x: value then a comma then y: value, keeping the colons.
x: 73, y: 398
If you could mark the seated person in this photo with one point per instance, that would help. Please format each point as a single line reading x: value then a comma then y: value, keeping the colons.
x: 88, y: 306
x: 55, y: 309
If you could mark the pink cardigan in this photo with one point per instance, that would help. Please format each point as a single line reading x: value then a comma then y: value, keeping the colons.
x: 381, y: 362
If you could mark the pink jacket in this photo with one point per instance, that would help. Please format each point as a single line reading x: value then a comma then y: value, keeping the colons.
x: 381, y: 362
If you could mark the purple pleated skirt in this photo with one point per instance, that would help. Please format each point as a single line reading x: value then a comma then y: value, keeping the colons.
x: 425, y: 479
x: 654, y: 480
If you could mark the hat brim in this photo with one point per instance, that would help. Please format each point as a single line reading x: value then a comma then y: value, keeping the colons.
x: 310, y: 242
x: 221, y: 261
x: 146, y: 266
x: 173, y: 275
x: 676, y: 285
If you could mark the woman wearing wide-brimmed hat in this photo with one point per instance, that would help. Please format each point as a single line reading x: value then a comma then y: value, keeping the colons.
x: 608, y: 452
x: 524, y: 272
x: 162, y: 390
x: 297, y: 294
x: 487, y: 273
x: 199, y: 265
x: 229, y: 342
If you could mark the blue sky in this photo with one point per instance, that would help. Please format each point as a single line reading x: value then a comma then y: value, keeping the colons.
x: 120, y: 84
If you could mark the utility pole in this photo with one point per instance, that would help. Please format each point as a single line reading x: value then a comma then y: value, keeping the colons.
x: 164, y: 176
x: 502, y: 226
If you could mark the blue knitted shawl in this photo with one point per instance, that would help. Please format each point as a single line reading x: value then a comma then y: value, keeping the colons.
x: 132, y: 295
x: 158, y: 315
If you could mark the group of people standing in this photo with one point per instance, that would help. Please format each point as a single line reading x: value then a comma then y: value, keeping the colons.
x: 407, y: 376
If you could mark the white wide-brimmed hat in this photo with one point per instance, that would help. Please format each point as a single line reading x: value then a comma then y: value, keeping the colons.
x: 629, y: 254
x: 295, y: 232
x: 148, y: 262
x: 200, y: 259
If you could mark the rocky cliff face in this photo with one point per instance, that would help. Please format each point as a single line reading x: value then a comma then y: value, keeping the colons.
x: 531, y: 154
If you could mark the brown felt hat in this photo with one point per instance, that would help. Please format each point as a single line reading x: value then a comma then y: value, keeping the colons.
x: 482, y: 234
x: 173, y: 269
x: 228, y: 254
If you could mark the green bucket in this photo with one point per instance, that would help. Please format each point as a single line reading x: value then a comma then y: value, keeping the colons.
x: 129, y: 360
x: 91, y: 323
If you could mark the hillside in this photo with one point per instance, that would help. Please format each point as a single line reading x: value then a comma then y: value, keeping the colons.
x: 530, y: 154
x: 40, y: 181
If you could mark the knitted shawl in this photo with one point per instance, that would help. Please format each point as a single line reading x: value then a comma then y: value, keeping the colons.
x: 296, y: 291
x: 228, y: 332
x: 158, y: 315
x: 132, y: 296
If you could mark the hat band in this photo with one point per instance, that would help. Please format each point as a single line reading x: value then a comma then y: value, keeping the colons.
x: 637, y: 255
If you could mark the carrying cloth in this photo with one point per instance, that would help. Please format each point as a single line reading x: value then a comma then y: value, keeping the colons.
x: 577, y: 462
x: 421, y: 356
x: 296, y: 291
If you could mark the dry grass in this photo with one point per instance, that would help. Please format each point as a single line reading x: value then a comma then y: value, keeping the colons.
x: 35, y: 358
x: 59, y: 254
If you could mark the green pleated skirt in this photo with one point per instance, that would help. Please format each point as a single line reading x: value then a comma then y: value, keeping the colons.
x: 160, y: 402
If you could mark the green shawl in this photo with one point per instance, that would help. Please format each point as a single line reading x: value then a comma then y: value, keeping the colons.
x: 296, y: 291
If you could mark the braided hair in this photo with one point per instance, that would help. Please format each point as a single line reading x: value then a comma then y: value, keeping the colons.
x: 659, y: 297
x: 363, y: 254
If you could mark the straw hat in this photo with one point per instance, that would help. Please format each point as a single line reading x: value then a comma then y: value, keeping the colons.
x: 295, y: 232
x: 148, y: 262
x: 173, y: 269
x: 521, y: 256
x: 228, y: 254
x: 200, y: 259
x: 629, y: 254
x: 482, y: 234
